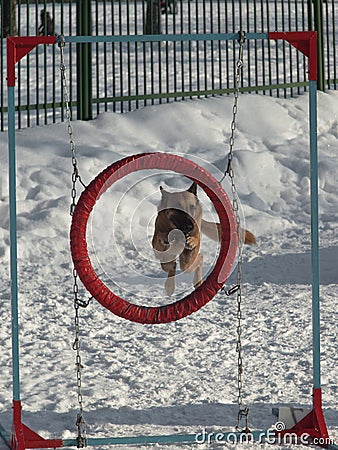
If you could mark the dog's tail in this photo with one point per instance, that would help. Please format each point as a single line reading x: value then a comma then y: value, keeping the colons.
x: 213, y: 231
x: 249, y: 238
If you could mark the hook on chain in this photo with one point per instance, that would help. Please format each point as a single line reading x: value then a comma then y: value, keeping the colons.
x: 61, y: 41
x: 243, y: 413
x: 83, y: 303
x: 242, y: 37
x: 81, y: 425
x: 232, y: 290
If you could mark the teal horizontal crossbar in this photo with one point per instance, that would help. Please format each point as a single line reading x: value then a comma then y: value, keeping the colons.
x: 258, y: 436
x: 163, y: 37
x: 219, y: 436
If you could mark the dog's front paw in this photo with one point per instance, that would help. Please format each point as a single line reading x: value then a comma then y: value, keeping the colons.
x: 191, y: 242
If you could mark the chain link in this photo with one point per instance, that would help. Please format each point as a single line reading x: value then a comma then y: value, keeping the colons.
x: 243, y: 412
x: 80, y: 422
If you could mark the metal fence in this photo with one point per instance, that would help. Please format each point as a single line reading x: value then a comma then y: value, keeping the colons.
x: 122, y: 76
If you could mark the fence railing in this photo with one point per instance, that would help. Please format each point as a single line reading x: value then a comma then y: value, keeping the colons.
x: 124, y: 75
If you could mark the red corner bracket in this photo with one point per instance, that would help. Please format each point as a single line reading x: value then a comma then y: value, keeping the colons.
x: 304, y: 41
x: 18, y: 47
x: 23, y: 437
x: 312, y: 428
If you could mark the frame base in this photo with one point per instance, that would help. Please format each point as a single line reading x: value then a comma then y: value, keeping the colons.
x: 311, y: 429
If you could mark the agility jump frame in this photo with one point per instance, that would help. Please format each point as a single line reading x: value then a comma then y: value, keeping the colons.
x: 313, y: 424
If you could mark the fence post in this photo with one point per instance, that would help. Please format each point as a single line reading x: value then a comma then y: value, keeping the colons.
x: 8, y: 26
x: 84, y: 61
x: 318, y: 25
x: 153, y: 17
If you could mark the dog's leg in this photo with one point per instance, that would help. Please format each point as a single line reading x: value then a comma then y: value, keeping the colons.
x: 169, y: 285
x: 170, y: 268
x: 198, y: 272
x: 192, y: 261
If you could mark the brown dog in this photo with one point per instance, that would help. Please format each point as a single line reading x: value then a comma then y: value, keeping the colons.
x: 178, y: 228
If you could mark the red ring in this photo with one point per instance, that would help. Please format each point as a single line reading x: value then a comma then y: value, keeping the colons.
x: 197, y: 298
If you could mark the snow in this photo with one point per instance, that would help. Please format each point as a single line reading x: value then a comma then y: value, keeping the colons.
x: 179, y: 377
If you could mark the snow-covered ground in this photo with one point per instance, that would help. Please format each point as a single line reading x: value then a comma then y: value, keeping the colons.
x: 182, y: 376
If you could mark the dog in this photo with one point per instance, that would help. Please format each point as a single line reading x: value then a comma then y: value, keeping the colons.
x: 46, y: 27
x: 169, y: 6
x: 177, y: 234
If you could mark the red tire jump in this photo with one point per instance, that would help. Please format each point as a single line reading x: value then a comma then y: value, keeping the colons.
x: 197, y: 298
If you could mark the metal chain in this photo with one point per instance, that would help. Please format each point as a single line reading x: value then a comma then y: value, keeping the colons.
x: 243, y: 412
x: 238, y: 74
x: 75, y: 175
x: 80, y: 422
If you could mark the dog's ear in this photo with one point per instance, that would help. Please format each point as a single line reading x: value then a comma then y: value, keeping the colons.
x: 193, y: 188
x: 163, y: 191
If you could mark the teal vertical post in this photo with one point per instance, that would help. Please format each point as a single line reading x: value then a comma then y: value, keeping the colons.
x: 318, y: 25
x: 314, y: 234
x: 13, y: 243
x: 84, y: 61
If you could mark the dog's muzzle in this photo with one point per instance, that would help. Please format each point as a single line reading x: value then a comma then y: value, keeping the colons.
x: 182, y: 221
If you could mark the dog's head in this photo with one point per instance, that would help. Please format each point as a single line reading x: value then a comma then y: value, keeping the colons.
x: 182, y: 209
